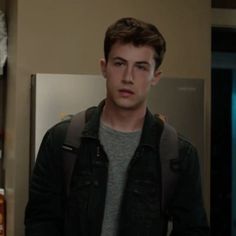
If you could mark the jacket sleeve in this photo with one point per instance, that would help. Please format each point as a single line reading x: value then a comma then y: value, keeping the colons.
x: 44, y: 214
x: 187, y: 209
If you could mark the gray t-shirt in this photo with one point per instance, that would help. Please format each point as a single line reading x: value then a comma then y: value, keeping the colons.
x: 119, y: 147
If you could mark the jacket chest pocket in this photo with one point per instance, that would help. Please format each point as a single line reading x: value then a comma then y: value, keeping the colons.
x: 143, y: 199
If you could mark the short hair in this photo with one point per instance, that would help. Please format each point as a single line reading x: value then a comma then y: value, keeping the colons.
x: 139, y: 33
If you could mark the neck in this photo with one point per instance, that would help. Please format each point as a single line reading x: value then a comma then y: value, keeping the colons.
x: 121, y: 119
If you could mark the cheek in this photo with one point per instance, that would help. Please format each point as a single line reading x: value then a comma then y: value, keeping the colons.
x: 111, y: 84
x: 112, y: 77
x: 111, y: 81
x: 144, y: 85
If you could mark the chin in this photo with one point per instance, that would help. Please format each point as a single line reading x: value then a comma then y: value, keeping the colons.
x: 129, y: 105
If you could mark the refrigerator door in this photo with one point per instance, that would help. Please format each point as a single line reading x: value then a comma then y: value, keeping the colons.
x: 182, y: 102
x: 54, y: 96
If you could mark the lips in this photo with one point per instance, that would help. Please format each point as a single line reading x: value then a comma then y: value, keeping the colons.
x: 126, y: 92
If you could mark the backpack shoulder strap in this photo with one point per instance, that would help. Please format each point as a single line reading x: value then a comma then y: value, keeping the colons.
x: 71, y: 145
x: 169, y: 162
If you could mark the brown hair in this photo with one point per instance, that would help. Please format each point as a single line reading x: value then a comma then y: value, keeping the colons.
x: 139, y: 33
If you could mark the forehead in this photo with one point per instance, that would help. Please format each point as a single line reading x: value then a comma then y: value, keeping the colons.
x: 129, y: 51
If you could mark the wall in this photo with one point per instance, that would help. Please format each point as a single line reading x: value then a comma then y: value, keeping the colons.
x: 2, y: 5
x: 65, y: 36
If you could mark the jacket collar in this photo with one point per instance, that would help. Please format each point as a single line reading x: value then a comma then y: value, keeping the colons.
x: 91, y: 129
x: 151, y: 132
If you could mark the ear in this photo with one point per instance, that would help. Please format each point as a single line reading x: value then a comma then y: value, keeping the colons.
x: 103, y: 66
x: 156, y: 77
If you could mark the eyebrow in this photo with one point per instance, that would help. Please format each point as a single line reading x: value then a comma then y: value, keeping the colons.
x: 119, y: 58
x: 137, y: 62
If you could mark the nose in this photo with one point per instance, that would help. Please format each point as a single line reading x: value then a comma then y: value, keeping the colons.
x: 128, y: 75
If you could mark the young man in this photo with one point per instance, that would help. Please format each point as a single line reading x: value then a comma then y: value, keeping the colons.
x: 116, y: 186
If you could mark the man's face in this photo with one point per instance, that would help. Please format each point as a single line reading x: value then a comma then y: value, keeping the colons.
x: 129, y: 72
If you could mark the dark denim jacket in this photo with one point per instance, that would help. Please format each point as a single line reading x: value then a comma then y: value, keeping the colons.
x: 48, y: 211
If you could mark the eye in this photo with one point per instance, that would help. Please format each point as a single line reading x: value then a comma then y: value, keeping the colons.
x: 142, y: 67
x: 118, y: 63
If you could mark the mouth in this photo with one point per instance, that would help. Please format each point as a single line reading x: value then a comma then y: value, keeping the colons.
x: 126, y: 92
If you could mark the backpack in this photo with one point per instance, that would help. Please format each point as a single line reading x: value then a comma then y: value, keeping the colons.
x: 168, y: 154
